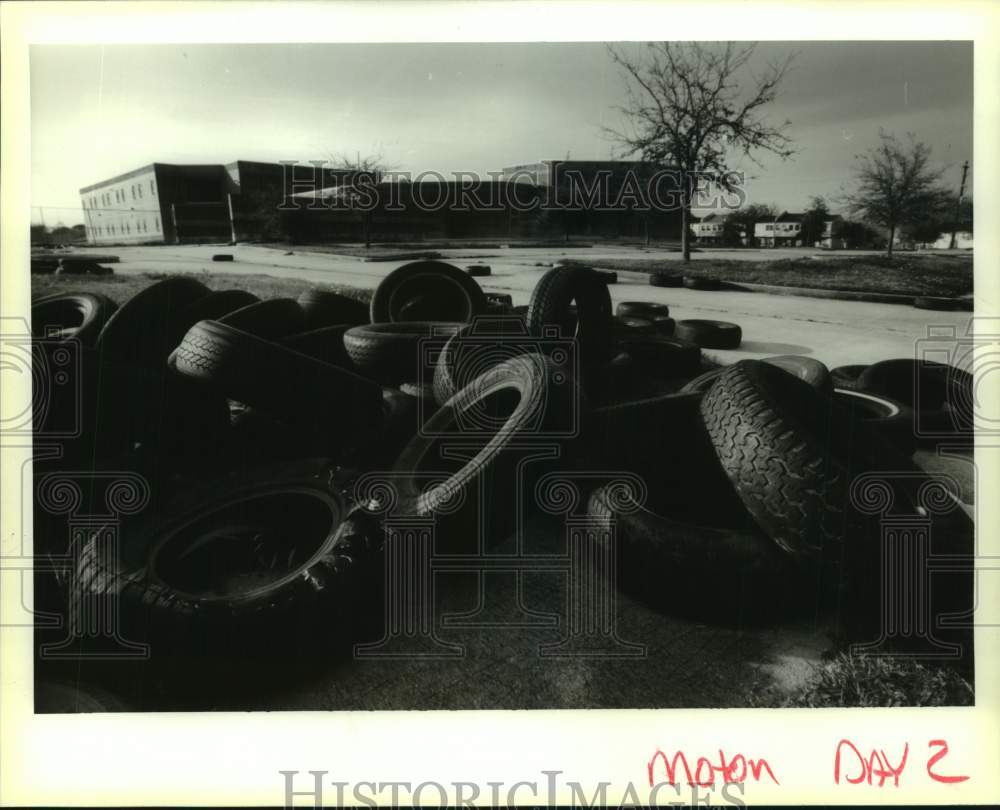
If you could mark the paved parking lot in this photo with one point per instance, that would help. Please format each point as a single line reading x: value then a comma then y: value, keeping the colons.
x: 834, y: 332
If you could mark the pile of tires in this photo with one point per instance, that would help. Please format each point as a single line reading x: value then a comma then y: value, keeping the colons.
x: 277, y: 440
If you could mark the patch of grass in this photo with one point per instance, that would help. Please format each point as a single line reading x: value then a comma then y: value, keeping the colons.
x: 906, y: 274
x: 864, y: 681
x: 119, y: 288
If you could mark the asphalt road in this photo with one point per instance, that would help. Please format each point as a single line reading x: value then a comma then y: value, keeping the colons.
x: 834, y: 332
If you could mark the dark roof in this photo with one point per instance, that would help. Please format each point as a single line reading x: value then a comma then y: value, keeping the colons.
x: 120, y: 177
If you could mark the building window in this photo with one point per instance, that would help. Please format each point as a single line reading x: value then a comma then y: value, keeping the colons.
x: 157, y: 221
x: 139, y: 187
x: 152, y: 188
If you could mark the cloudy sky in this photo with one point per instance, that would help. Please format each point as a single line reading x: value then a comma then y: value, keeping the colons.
x: 99, y: 111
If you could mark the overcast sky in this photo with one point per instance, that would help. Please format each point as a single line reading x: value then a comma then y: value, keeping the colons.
x: 99, y: 111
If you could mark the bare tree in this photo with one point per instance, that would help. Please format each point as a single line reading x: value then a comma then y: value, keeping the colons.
x: 896, y: 185
x: 361, y: 192
x: 685, y: 109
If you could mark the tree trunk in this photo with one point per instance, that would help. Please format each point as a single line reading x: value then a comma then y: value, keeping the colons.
x: 685, y: 214
x: 892, y: 236
x: 685, y: 244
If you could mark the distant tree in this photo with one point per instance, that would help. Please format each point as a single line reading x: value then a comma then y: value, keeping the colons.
x: 261, y: 216
x: 954, y: 216
x: 896, y: 186
x: 739, y: 225
x: 360, y: 193
x: 685, y: 109
x: 40, y: 235
x: 814, y: 221
x: 860, y: 235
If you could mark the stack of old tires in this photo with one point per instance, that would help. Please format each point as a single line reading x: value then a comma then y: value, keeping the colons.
x: 251, y: 422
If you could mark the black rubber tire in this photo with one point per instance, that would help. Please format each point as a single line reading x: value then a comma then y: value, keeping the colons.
x: 664, y: 325
x: 476, y: 348
x: 71, y: 315
x: 329, y: 401
x: 935, y: 303
x: 846, y: 377
x: 778, y: 442
x: 641, y: 433
x: 654, y: 545
x: 456, y: 296
x: 550, y: 308
x: 665, y: 280
x: 391, y: 352
x: 701, y: 283
x: 607, y: 276
x: 323, y: 308
x: 403, y: 415
x: 919, y: 383
x: 222, y: 257
x: 417, y: 390
x: 805, y: 368
x: 710, y: 334
x: 890, y: 418
x: 143, y: 330
x: 641, y: 309
x: 478, y: 270
x: 528, y: 397
x: 618, y: 380
x: 325, y: 343
x: 271, y: 319
x: 211, y: 307
x: 630, y: 325
x: 167, y: 573
x: 172, y: 419
x: 663, y: 357
x: 704, y: 381
x: 419, y: 308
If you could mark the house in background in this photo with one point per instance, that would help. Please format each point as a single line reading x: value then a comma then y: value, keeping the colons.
x: 708, y: 230
x: 963, y: 241
x: 782, y: 231
x: 831, y: 238
x: 786, y: 231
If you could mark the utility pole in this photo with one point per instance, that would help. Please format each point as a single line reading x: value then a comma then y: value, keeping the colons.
x: 958, y: 205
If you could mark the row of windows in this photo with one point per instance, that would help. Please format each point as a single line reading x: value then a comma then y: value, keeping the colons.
x: 118, y: 195
x: 142, y: 226
x: 783, y: 226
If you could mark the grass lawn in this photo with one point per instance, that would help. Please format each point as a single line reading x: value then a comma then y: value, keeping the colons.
x: 848, y: 681
x: 119, y: 288
x: 945, y: 275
